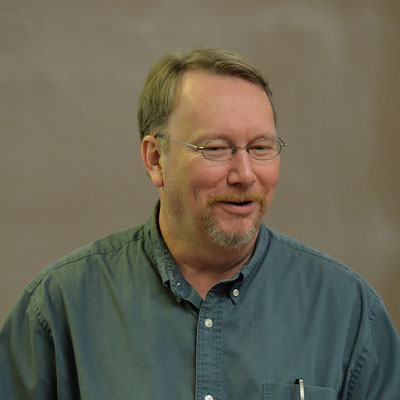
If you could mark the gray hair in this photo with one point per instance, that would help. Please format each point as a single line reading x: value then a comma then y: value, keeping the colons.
x: 156, y: 100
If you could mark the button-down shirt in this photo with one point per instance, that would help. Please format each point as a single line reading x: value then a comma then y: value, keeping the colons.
x: 117, y: 320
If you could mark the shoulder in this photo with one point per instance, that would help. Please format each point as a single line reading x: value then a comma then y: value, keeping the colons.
x: 300, y: 249
x: 317, y: 270
x: 302, y: 254
x: 91, y: 258
x: 330, y: 291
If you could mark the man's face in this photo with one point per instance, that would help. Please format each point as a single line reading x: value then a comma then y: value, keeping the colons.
x: 202, y: 200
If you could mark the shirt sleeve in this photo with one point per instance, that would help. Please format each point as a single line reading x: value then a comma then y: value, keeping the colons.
x: 376, y: 374
x: 27, y: 357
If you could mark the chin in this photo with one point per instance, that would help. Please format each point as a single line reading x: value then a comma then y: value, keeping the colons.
x: 235, y: 237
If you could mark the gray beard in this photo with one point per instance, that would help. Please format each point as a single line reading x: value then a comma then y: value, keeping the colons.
x: 230, y: 240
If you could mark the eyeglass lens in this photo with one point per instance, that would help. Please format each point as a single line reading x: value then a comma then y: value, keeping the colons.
x: 221, y: 150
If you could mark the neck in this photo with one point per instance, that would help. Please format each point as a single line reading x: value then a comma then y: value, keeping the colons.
x: 204, y: 272
x: 202, y: 262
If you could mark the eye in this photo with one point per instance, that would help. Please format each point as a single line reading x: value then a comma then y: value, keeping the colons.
x: 216, y: 146
x: 260, y: 147
x: 217, y: 150
x: 263, y: 147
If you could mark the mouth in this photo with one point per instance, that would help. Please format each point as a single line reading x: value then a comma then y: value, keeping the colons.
x: 237, y: 203
x: 242, y: 204
x: 241, y: 208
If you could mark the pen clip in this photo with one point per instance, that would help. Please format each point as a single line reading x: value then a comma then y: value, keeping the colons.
x: 300, y: 382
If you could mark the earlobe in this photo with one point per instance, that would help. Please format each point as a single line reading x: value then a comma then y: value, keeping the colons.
x: 151, y: 160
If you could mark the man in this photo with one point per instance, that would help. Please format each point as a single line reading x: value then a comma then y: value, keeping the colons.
x: 202, y: 301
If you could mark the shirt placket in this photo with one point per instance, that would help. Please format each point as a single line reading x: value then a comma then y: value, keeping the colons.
x: 209, y: 349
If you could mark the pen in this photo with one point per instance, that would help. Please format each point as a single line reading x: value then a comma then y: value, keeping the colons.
x: 300, y: 382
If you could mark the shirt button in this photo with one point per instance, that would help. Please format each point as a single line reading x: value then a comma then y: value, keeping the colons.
x: 208, y: 323
x: 236, y: 292
x: 208, y: 397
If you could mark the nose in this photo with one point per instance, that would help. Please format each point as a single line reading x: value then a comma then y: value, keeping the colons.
x: 241, y: 169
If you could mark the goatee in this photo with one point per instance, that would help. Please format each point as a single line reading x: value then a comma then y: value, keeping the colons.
x: 230, y: 240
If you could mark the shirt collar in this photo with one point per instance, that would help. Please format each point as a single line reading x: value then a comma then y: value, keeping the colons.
x: 172, y: 277
x: 162, y: 259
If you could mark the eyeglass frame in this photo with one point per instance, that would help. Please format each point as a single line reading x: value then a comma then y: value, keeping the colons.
x: 235, y: 149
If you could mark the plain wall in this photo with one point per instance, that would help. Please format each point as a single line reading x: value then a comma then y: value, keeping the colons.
x: 70, y: 75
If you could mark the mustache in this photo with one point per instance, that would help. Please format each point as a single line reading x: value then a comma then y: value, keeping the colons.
x: 237, y: 197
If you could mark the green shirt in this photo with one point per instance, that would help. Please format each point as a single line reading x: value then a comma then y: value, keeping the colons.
x: 117, y: 320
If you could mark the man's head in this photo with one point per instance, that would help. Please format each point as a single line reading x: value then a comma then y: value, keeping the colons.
x: 206, y: 202
x: 157, y: 97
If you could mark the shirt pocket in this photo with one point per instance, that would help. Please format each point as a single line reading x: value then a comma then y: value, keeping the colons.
x: 282, y: 391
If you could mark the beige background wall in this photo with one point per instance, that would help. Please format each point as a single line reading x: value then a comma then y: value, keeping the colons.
x: 70, y: 75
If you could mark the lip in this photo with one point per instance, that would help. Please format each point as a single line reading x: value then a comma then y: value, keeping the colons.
x: 237, y: 209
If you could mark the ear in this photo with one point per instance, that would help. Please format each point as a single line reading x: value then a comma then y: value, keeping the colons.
x: 151, y: 157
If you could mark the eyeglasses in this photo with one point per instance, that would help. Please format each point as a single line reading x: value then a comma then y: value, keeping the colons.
x: 222, y: 150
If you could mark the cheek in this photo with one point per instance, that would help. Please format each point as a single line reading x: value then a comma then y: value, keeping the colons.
x: 268, y: 177
x: 207, y: 180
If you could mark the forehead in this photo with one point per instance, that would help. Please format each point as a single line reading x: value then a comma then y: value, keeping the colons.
x: 213, y: 105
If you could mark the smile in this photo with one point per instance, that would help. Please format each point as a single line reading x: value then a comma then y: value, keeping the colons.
x: 238, y: 203
x: 240, y: 208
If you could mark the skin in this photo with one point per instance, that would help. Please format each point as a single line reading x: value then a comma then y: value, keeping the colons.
x: 208, y: 107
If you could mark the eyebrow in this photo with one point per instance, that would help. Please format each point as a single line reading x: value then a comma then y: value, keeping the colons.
x: 224, y: 137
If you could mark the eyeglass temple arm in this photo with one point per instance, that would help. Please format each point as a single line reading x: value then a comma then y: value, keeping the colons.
x: 178, y: 141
